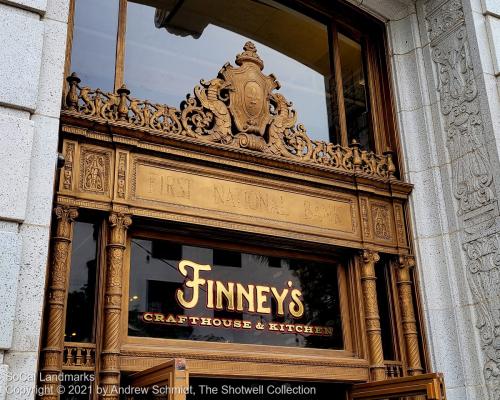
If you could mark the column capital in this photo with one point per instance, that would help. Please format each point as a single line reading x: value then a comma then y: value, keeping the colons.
x: 65, y: 215
x: 120, y: 220
x: 370, y: 256
x: 119, y: 223
x: 406, y: 261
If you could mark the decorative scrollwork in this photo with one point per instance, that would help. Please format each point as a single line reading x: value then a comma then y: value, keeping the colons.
x: 238, y: 108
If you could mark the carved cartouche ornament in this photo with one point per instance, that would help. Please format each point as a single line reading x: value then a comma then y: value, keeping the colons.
x: 240, y: 108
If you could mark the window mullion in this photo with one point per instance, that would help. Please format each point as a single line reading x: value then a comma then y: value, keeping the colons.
x: 339, y: 88
x: 120, y: 44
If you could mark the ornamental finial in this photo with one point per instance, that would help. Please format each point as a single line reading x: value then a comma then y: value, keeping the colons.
x: 249, y: 55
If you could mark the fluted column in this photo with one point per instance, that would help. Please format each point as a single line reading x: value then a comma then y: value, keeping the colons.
x: 406, y: 263
x: 372, y: 317
x: 110, y: 368
x: 57, y: 292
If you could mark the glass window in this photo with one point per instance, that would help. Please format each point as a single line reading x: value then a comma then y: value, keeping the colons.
x: 384, y: 300
x: 94, y: 42
x: 355, y: 94
x: 163, y: 64
x: 203, y: 294
x: 82, y: 283
x: 163, y: 49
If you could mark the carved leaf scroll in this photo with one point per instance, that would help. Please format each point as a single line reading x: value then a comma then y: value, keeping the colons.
x: 473, y: 180
x: 240, y: 108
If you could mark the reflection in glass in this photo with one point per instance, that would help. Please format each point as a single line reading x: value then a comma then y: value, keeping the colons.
x: 164, y: 64
x: 94, y: 42
x: 154, y: 282
x: 82, y: 283
x: 355, y: 92
x: 384, y: 305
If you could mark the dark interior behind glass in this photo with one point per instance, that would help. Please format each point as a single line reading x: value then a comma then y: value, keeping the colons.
x: 82, y: 283
x: 155, y: 278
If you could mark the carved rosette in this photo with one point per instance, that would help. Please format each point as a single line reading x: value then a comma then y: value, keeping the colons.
x: 472, y: 183
x: 372, y: 316
x: 240, y: 108
x: 110, y: 369
x: 52, y: 352
x: 410, y: 332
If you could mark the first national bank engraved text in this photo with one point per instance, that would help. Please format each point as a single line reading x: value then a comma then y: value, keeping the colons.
x: 168, y: 186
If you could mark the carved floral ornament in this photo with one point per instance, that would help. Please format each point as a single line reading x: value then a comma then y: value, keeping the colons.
x: 473, y: 183
x: 238, y: 109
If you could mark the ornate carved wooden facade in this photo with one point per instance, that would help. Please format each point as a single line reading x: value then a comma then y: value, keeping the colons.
x: 233, y: 158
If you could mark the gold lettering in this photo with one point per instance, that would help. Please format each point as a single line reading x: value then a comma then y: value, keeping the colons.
x: 273, y: 326
x: 170, y: 319
x: 159, y: 317
x: 147, y: 317
x: 246, y: 325
x: 280, y: 298
x: 328, y: 331
x: 308, y: 329
x: 248, y: 294
x: 210, y: 293
x: 194, y: 283
x: 296, y: 307
x: 228, y: 293
x: 262, y: 300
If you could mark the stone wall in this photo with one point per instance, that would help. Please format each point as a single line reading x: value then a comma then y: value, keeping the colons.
x: 445, y: 61
x: 444, y: 56
x: 32, y: 52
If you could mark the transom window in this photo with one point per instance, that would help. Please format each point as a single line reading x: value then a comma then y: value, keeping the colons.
x: 329, y: 70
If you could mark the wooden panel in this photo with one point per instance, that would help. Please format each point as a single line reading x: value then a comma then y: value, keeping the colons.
x: 188, y: 190
x: 342, y: 370
x: 231, y: 200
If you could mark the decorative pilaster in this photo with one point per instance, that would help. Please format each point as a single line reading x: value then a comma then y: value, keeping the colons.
x: 372, y: 318
x: 52, y: 351
x: 406, y: 263
x: 110, y: 370
x: 474, y: 174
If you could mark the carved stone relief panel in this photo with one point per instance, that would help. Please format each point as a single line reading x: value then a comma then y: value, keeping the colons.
x: 203, y: 193
x: 472, y: 180
x: 121, y: 175
x: 365, y: 219
x: 381, y: 218
x: 67, y: 171
x: 239, y: 109
x: 187, y: 192
x: 400, y: 225
x: 95, y: 170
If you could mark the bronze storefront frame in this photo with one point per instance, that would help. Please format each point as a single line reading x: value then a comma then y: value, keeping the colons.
x: 124, y: 159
